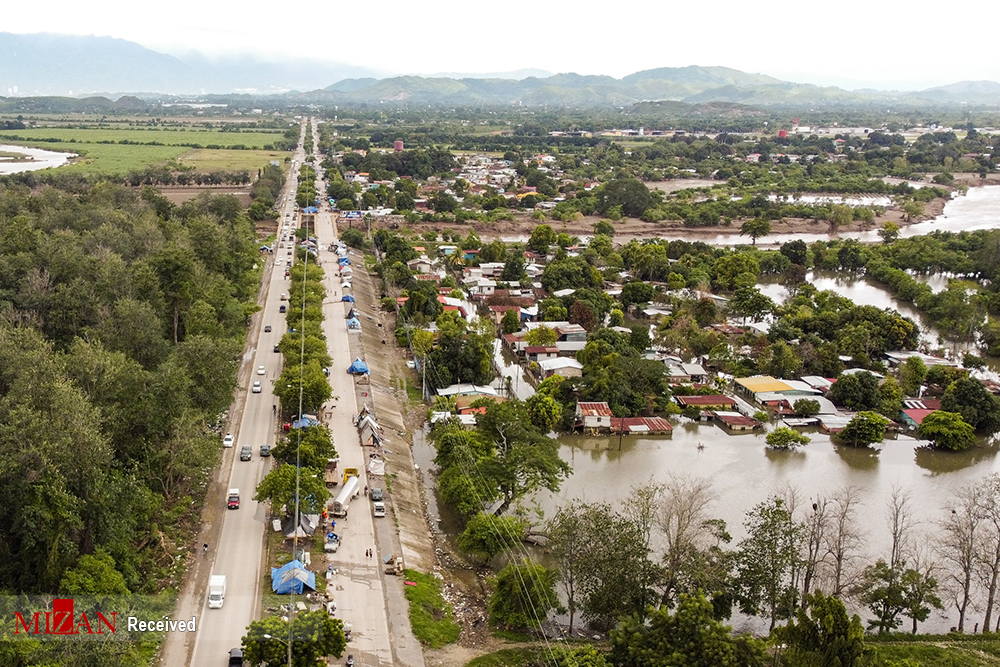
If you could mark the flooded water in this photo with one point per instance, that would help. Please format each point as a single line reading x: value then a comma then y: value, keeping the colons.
x: 40, y: 159
x: 855, y: 200
x: 744, y: 472
x: 510, y: 372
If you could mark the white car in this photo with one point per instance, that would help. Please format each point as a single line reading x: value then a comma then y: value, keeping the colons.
x: 256, y: 387
x: 229, y: 440
x: 261, y: 370
x: 278, y: 261
x: 378, y: 509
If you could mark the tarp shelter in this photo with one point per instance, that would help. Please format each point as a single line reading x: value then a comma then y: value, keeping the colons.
x: 305, y: 422
x: 376, y: 467
x: 354, y: 323
x: 343, y: 261
x: 358, y: 367
x: 351, y: 314
x: 293, y: 577
x: 310, y: 209
x: 347, y: 298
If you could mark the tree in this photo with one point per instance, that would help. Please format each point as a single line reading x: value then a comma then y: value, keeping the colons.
x: 840, y: 216
x: 960, y: 547
x: 545, y: 412
x: 765, y: 561
x: 542, y: 237
x: 919, y: 596
x: 511, y: 321
x: 880, y: 585
x: 842, y: 540
x: 523, y: 595
x: 823, y: 634
x: 630, y: 194
x: 786, y: 438
x: 617, y: 318
x: 442, y: 202
x: 889, y: 232
x: 487, y: 535
x: 755, y: 228
x: 314, y: 636
x: 796, y: 251
x: 604, y: 227
x: 750, y: 302
x: 94, y: 574
x: 541, y: 336
x: 912, y: 209
x: 805, y: 407
x: 691, y: 637
x: 946, y: 430
x: 866, y: 428
x: 912, y: 374
x: 310, y: 447
x: 278, y: 487
x: 582, y: 314
x: 970, y: 398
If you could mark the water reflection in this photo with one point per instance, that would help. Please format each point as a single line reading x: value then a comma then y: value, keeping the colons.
x: 39, y: 159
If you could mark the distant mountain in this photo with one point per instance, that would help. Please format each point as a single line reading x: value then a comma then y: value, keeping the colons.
x: 63, y: 65
x: 48, y: 64
x: 517, y: 74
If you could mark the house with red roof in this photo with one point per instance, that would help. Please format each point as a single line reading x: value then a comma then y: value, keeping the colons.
x: 593, y: 417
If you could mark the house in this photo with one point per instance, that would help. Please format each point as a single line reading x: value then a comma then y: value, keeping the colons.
x: 480, y: 286
x: 696, y: 372
x: 497, y: 313
x: 897, y: 357
x: 491, y: 269
x: 676, y: 374
x: 641, y: 426
x: 539, y: 353
x: 593, y: 416
x: 420, y: 265
x: 470, y: 255
x: 734, y: 421
x: 467, y: 389
x: 706, y: 402
x: 571, y: 333
x: 762, y: 384
x: 464, y: 403
x: 514, y: 342
x: 914, y: 411
x: 564, y: 366
x: 447, y: 250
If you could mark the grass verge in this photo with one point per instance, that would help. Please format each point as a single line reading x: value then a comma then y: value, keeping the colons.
x: 431, y: 616
x: 509, y: 657
x: 940, y: 652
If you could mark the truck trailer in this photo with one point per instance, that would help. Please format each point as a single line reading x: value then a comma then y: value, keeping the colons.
x: 343, y: 499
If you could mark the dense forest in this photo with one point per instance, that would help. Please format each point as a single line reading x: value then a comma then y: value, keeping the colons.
x: 122, y: 317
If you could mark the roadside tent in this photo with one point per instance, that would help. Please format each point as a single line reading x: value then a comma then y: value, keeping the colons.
x: 310, y: 209
x: 305, y: 422
x: 351, y: 314
x: 354, y: 323
x: 343, y: 261
x: 347, y: 298
x: 358, y: 367
x: 293, y: 577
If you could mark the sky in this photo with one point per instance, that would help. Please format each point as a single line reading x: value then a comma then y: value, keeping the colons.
x: 852, y: 43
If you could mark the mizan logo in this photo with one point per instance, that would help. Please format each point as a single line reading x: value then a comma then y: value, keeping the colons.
x: 62, y: 620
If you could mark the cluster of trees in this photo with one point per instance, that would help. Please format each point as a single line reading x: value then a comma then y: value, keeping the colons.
x: 305, y: 194
x: 123, y: 321
x: 795, y: 568
x: 265, y: 192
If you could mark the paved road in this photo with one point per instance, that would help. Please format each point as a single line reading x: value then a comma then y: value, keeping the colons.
x: 357, y: 586
x: 239, y: 553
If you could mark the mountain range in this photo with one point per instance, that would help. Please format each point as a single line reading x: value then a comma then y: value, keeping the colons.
x: 67, y: 65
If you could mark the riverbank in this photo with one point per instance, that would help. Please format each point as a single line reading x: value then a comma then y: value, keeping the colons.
x: 519, y: 229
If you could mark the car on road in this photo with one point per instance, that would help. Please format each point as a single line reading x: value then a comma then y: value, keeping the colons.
x: 256, y: 387
x: 229, y: 440
x: 277, y: 348
x: 332, y: 544
x: 246, y: 453
x: 235, y: 657
x: 378, y: 509
x: 261, y: 370
x: 278, y: 261
x: 284, y: 296
x: 265, y: 450
x: 233, y: 501
x: 281, y: 308
x: 267, y: 328
x: 376, y: 493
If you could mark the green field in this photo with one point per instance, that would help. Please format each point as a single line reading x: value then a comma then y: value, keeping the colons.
x: 211, y: 159
x: 190, y: 137
x: 430, y: 614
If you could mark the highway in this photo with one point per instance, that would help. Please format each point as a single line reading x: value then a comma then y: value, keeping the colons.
x: 239, y: 555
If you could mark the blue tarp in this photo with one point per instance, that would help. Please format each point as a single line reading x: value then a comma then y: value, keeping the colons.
x: 343, y: 261
x: 354, y: 323
x: 358, y: 367
x: 348, y: 298
x: 305, y: 422
x: 293, y: 577
x: 310, y: 209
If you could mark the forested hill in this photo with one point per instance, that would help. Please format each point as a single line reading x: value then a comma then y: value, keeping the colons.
x: 122, y: 318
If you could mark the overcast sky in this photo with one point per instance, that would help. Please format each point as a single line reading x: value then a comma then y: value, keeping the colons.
x: 852, y: 43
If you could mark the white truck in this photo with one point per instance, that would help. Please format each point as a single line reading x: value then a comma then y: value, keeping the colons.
x: 216, y: 591
x: 343, y: 499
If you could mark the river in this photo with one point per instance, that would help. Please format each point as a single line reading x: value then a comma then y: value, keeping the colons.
x: 40, y: 159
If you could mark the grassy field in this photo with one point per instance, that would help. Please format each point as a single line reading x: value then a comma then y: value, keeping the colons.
x: 509, y: 657
x: 967, y: 652
x: 209, y: 159
x: 430, y: 615
x: 187, y: 136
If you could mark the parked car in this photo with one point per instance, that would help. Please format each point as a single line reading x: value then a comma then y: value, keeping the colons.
x: 267, y: 328
x: 256, y: 387
x: 246, y: 453
x: 265, y: 450
x: 378, y: 509
x: 261, y: 370
x: 277, y: 348
x: 376, y: 493
x: 235, y: 657
x: 229, y: 440
x: 284, y: 296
